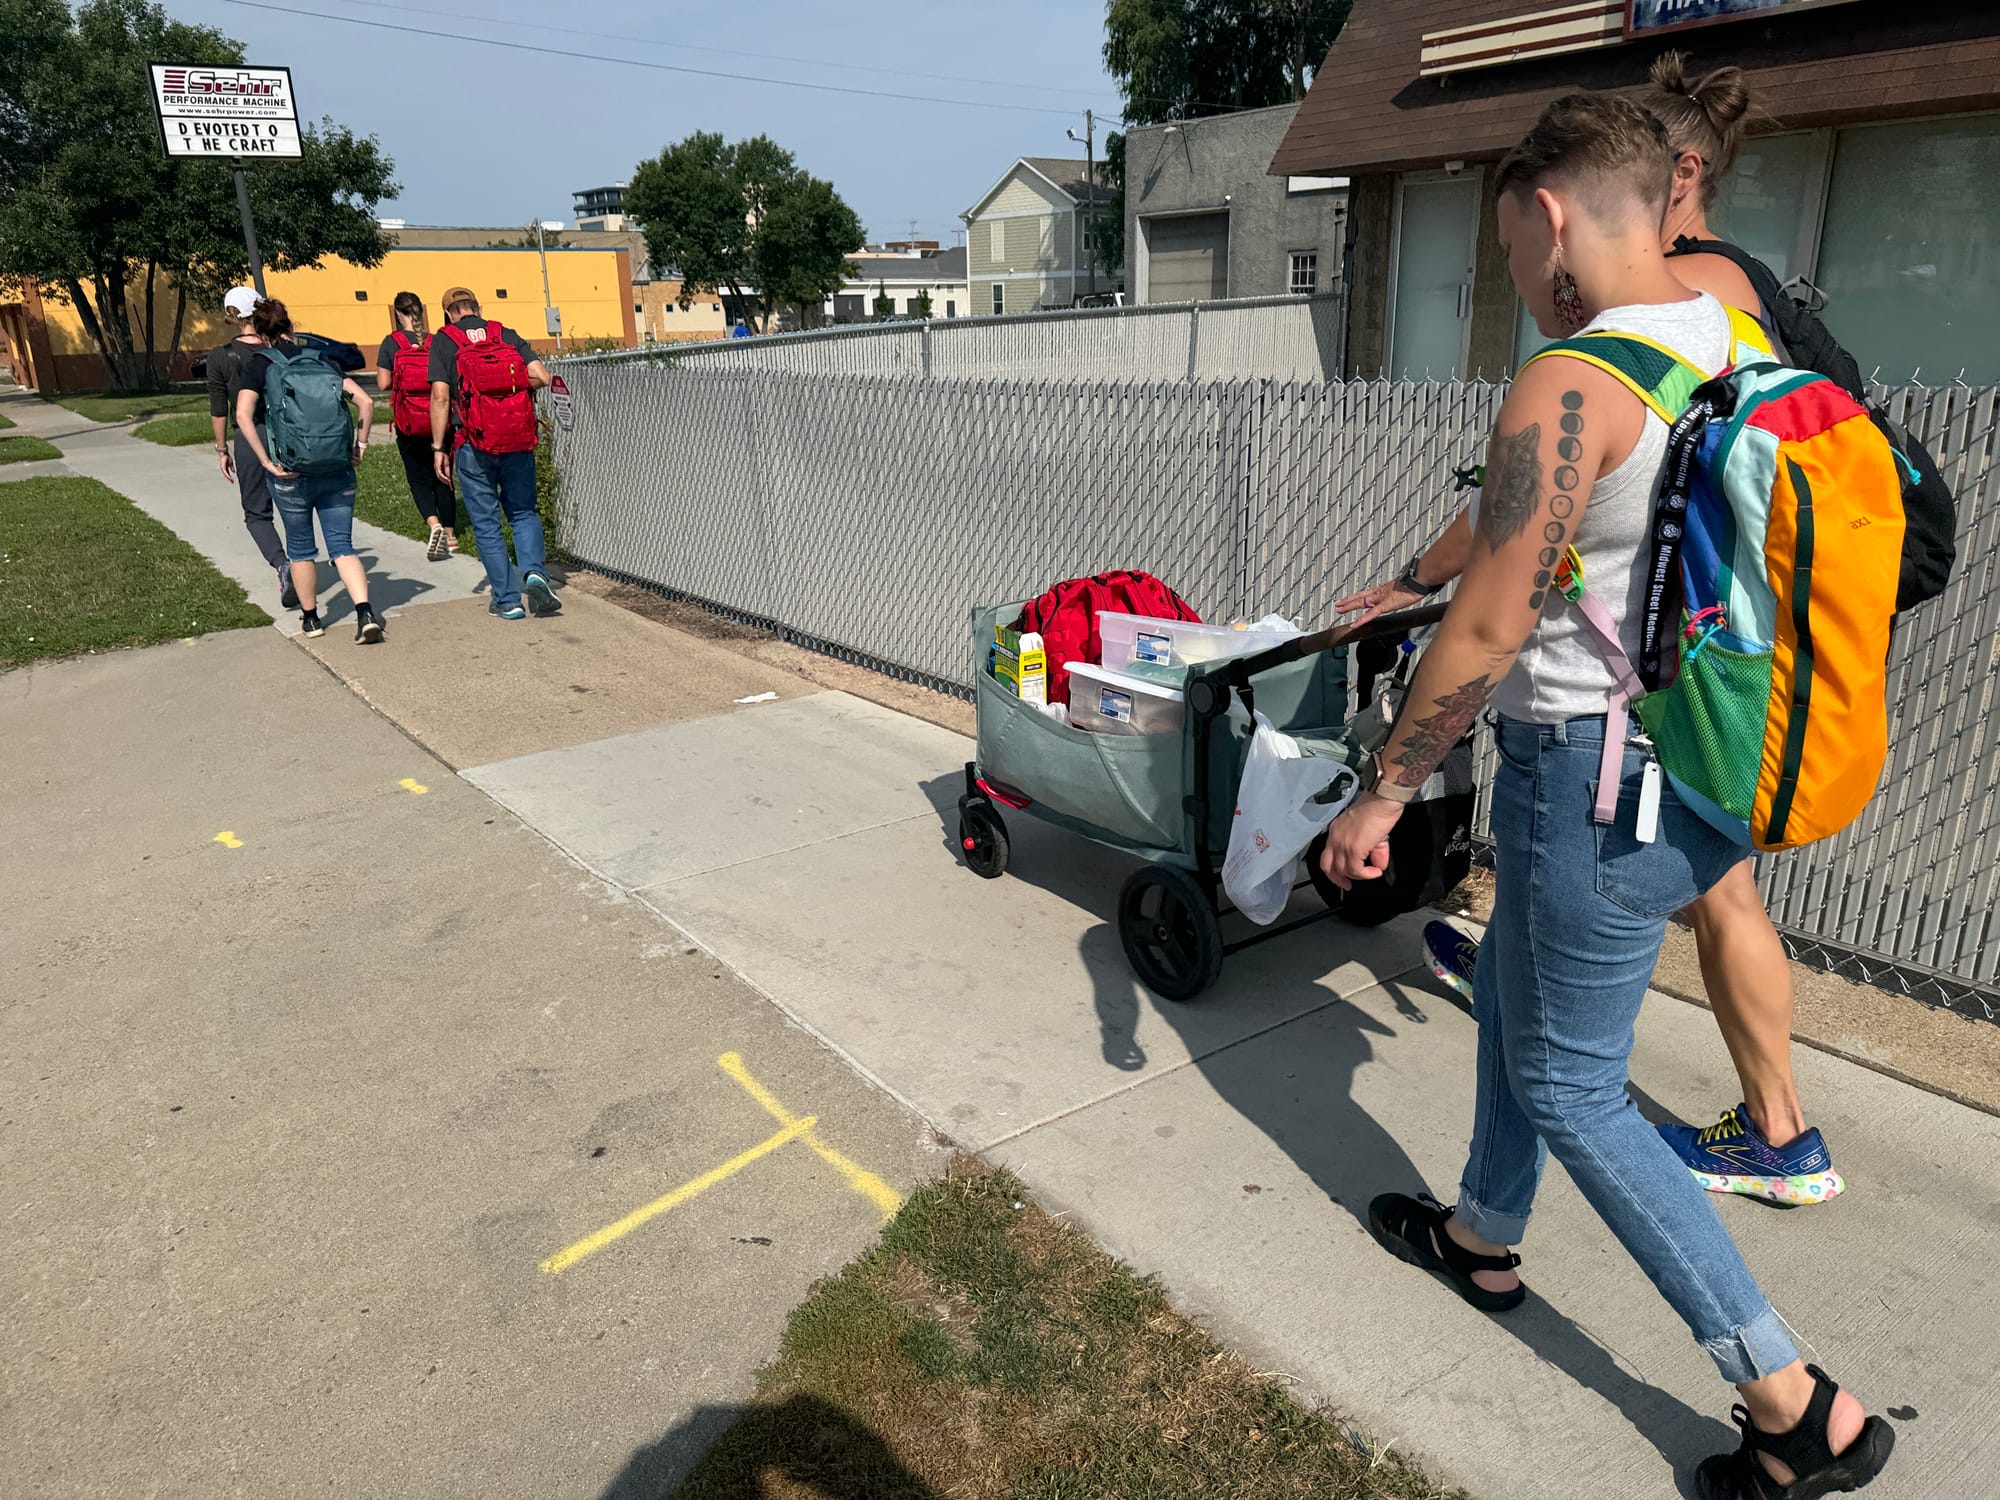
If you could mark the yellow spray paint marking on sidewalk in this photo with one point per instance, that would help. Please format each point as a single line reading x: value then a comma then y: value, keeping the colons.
x: 411, y: 784
x: 871, y: 1187
x: 590, y: 1244
x: 228, y: 840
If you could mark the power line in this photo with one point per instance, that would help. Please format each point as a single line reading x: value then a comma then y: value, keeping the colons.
x: 807, y: 62
x: 660, y: 67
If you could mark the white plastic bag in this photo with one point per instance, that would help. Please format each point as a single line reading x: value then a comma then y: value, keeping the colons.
x: 1277, y: 815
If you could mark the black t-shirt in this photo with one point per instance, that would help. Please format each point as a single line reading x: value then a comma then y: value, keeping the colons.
x: 444, y: 353
x: 225, y: 378
x: 255, y: 365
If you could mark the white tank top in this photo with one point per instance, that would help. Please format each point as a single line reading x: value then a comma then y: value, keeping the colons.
x: 1560, y: 673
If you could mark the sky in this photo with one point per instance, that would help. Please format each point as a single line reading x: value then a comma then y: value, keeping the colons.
x: 485, y: 135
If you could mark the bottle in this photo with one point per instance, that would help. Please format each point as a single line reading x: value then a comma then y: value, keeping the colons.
x: 1034, y: 684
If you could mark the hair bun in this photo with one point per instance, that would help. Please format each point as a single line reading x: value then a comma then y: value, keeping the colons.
x: 1721, y: 95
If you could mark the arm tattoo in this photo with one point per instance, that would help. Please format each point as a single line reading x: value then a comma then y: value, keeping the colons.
x: 1514, y: 486
x: 1562, y: 503
x: 1428, y: 740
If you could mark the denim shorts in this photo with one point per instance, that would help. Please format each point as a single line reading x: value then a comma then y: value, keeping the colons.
x: 331, y: 498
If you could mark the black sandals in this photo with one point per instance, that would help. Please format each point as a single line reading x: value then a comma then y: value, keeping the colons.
x: 1412, y: 1230
x: 1817, y: 1470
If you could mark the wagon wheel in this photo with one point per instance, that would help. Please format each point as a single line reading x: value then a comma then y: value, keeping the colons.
x: 982, y: 838
x: 1171, y: 932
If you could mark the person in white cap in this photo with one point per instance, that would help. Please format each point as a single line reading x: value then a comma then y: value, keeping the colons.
x: 225, y: 382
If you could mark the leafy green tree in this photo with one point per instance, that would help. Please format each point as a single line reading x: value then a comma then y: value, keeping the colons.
x: 732, y: 217
x: 885, y: 305
x: 1183, y: 59
x: 920, y: 305
x: 91, y: 206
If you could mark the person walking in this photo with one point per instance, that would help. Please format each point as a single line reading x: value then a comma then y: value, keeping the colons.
x: 240, y: 466
x: 1763, y: 1146
x: 403, y: 369
x: 483, y: 379
x: 298, y: 407
x: 1580, y: 907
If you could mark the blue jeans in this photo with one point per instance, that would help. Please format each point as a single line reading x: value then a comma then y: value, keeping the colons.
x: 490, y: 484
x: 331, y: 498
x: 1578, y: 917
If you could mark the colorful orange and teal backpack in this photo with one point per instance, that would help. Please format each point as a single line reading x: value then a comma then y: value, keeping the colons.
x: 1771, y: 581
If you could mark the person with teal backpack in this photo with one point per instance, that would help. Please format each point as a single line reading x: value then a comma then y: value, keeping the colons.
x: 296, y: 410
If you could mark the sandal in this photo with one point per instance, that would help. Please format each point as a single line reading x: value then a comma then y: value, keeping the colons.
x: 1816, y: 1469
x: 1412, y: 1230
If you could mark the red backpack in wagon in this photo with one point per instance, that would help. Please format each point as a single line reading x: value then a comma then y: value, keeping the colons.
x: 410, y: 385
x: 496, y: 404
x: 1066, y: 617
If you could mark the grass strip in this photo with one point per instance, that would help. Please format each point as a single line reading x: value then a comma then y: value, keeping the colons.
x: 180, y: 431
x: 22, y: 450
x: 5, y: 422
x: 128, y: 406
x: 84, y: 569
x: 984, y: 1351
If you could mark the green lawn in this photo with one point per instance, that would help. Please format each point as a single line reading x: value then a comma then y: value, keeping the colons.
x: 986, y: 1350
x: 83, y: 569
x: 382, y: 498
x: 182, y: 430
x: 126, y: 406
x: 21, y: 450
x: 5, y: 423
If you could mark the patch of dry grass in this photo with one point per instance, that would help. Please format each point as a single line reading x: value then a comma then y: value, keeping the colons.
x: 985, y: 1351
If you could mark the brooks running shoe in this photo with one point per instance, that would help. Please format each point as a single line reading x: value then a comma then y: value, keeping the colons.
x: 1452, y: 956
x: 1732, y: 1156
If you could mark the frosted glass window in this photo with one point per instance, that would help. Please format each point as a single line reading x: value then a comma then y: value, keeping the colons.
x: 1762, y: 204
x: 1910, y: 255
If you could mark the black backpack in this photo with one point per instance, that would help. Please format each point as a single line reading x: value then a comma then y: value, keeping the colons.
x: 1930, y: 510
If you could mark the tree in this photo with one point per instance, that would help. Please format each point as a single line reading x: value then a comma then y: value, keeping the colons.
x: 920, y: 304
x: 93, y: 208
x: 1183, y: 59
x: 885, y: 305
x: 737, y: 216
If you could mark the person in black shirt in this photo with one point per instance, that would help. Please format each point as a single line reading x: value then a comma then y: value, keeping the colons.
x: 433, y: 493
x: 241, y: 466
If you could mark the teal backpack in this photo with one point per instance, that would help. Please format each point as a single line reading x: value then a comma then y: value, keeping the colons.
x: 307, y: 427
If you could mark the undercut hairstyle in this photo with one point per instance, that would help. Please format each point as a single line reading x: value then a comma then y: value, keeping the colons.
x: 1705, y: 115
x: 271, y: 320
x: 1602, y: 147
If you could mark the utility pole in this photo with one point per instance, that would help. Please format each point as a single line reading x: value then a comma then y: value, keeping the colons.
x: 543, y: 250
x: 1089, y: 139
x: 249, y: 231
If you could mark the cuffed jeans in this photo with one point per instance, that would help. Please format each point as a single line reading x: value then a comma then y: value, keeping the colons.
x: 490, y: 485
x: 1579, y: 913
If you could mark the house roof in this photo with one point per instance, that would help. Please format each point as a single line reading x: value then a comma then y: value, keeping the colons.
x: 1369, y: 111
x: 1070, y: 178
x: 946, y: 265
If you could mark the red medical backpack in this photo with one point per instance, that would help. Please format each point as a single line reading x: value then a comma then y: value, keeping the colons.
x: 496, y: 405
x: 1066, y: 617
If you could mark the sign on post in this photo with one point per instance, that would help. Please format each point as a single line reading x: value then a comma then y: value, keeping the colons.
x: 562, y: 403
x: 226, y: 112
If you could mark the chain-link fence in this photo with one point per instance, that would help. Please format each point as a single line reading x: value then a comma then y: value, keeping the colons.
x: 866, y: 514
x: 1273, y: 338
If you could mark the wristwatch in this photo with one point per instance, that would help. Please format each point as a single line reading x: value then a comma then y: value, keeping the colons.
x: 1375, y: 778
x: 1408, y: 581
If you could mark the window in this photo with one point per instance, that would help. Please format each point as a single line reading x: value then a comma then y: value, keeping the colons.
x: 1305, y: 271
x: 638, y: 307
x: 1906, y: 255
x: 999, y: 299
x: 950, y: 308
x: 501, y: 293
x: 1769, y: 198
x: 360, y: 296
x: 998, y: 239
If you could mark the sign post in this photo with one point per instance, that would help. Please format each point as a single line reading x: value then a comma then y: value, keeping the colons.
x: 229, y: 113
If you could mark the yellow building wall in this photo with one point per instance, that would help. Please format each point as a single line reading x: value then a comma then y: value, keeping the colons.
x: 592, y: 287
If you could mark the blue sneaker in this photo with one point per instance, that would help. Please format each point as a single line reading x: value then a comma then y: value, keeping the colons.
x: 541, y: 596
x: 1732, y: 1156
x: 512, y: 612
x: 1452, y: 956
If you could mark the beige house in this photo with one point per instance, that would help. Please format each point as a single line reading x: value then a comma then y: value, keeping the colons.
x: 1028, y: 240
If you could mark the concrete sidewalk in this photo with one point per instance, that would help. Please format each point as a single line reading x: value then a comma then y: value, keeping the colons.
x: 313, y: 1056
x: 1231, y: 1146
x: 184, y: 490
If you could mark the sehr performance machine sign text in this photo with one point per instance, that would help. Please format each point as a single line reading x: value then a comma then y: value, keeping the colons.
x: 226, y: 111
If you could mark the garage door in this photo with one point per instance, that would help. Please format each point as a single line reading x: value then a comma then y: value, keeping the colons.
x: 1187, y: 258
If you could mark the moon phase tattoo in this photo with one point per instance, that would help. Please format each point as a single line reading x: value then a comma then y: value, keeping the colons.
x: 1562, y: 504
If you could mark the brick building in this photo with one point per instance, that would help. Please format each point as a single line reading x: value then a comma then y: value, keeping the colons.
x: 1869, y: 176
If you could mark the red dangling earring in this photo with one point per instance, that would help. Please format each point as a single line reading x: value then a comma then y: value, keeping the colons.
x: 1569, y: 297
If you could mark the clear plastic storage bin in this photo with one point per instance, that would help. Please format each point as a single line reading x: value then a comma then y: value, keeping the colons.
x: 1108, y: 702
x: 1179, y: 643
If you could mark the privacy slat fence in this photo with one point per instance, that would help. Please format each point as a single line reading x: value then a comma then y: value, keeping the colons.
x: 866, y: 513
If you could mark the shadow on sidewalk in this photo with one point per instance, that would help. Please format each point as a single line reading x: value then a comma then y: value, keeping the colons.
x: 723, y: 1453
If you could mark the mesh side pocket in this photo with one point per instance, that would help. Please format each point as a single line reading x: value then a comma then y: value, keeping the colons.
x: 1709, y: 725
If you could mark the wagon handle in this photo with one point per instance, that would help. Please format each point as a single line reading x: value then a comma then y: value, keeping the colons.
x: 1243, y: 668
